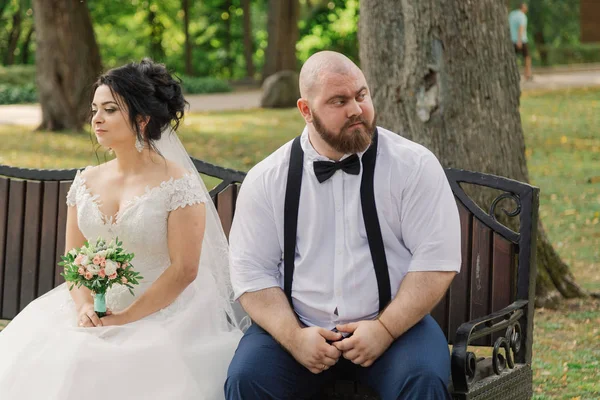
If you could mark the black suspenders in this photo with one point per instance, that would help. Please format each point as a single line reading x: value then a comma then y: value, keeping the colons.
x: 369, y: 209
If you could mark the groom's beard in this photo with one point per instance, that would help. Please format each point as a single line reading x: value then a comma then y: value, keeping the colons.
x: 348, y: 140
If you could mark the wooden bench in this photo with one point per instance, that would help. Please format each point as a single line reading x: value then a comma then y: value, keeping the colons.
x: 489, y: 304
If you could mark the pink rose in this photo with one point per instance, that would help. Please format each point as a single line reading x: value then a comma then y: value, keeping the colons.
x: 96, y: 260
x: 113, y: 276
x: 103, y: 263
x: 89, y: 275
x: 123, y: 279
x: 81, y: 271
x: 102, y: 273
x: 125, y: 265
x: 118, y: 265
x: 78, y: 259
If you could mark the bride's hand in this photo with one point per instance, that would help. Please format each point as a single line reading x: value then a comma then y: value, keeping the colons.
x: 112, y: 319
x: 87, y: 317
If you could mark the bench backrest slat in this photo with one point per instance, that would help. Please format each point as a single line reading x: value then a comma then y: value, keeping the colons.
x: 479, y: 271
x: 14, y: 248
x: 4, y: 187
x: 31, y: 242
x: 225, y: 204
x: 458, y: 294
x: 48, y: 238
x: 61, y: 230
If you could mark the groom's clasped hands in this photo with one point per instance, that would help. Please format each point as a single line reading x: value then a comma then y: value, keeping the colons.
x: 368, y: 341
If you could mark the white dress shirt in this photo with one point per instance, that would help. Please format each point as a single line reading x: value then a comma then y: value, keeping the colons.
x: 334, y: 280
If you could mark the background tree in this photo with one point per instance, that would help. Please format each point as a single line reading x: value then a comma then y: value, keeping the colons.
x: 447, y: 83
x: 189, y: 68
x: 248, y: 41
x: 67, y: 60
x: 282, y: 27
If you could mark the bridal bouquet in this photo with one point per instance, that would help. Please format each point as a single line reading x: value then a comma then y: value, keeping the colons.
x: 97, y: 267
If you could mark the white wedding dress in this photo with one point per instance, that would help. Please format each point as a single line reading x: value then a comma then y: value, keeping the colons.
x: 180, y: 352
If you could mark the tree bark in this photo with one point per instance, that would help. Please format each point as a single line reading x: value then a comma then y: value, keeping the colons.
x: 443, y: 73
x: 282, y: 29
x: 67, y: 62
x: 248, y: 48
x: 13, y: 37
x: 189, y: 68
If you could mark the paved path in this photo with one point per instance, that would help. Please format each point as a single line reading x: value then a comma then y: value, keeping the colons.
x: 31, y: 114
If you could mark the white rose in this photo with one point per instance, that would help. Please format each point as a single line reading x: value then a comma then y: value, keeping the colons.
x: 110, y: 268
x: 102, y: 253
x: 93, y: 268
x: 85, y: 260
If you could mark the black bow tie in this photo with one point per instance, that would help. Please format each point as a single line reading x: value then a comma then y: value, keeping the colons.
x: 325, y: 169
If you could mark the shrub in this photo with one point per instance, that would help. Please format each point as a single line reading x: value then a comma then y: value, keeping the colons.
x: 17, y: 75
x: 198, y: 85
x: 18, y: 94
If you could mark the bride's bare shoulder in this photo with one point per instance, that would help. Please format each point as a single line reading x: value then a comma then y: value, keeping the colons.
x: 91, y: 173
x: 175, y: 170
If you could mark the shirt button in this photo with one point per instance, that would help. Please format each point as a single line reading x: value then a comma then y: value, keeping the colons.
x: 339, y: 252
x: 338, y: 293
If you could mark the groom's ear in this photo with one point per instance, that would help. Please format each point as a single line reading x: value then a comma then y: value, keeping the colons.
x: 305, y: 110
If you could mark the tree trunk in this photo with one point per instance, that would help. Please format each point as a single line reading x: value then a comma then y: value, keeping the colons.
x: 26, y: 45
x: 189, y: 68
x: 67, y: 60
x: 282, y: 28
x: 157, y: 29
x: 540, y: 44
x: 248, y: 48
x: 444, y: 74
x: 13, y: 37
x: 227, y: 38
x: 3, y: 4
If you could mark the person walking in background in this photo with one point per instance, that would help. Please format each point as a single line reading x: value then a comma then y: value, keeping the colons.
x: 517, y: 20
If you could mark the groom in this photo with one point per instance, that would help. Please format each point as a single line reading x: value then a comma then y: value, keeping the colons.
x: 343, y: 241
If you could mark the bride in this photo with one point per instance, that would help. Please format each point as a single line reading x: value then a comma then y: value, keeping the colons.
x: 176, y: 337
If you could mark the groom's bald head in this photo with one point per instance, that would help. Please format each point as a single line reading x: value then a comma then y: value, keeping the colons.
x: 321, y: 64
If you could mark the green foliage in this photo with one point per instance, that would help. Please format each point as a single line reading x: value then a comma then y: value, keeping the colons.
x: 12, y: 94
x: 573, y: 54
x: 330, y: 25
x: 129, y: 30
x: 17, y: 74
x: 553, y: 31
x: 207, y: 84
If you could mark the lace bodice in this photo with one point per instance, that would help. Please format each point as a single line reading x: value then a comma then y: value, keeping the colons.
x: 141, y: 224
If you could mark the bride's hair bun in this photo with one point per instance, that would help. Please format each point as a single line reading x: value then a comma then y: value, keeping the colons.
x: 149, y: 91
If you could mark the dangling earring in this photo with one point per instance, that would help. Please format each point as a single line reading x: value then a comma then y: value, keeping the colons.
x: 139, y: 146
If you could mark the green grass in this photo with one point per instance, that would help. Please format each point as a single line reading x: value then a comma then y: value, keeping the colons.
x: 563, y: 150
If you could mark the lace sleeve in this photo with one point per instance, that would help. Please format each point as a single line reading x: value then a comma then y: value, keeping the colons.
x: 186, y: 191
x: 75, y: 188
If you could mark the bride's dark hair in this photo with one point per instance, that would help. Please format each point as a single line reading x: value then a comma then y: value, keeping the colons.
x: 150, y: 92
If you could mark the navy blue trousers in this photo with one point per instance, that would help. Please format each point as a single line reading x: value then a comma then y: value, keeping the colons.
x: 415, y: 366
